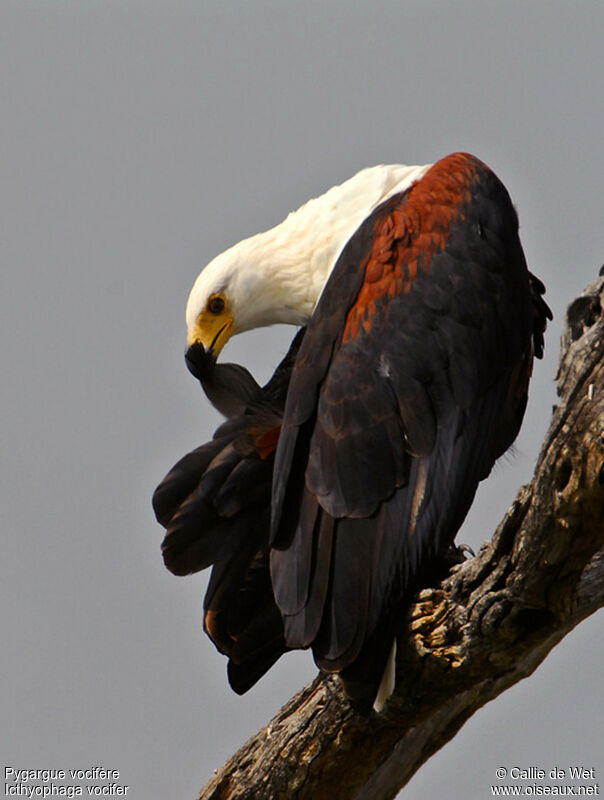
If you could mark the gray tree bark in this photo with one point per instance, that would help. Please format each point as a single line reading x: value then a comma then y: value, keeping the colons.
x: 490, y: 623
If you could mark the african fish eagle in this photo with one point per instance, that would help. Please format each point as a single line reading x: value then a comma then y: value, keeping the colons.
x: 329, y: 494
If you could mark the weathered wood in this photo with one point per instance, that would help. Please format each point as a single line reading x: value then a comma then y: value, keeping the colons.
x: 489, y: 624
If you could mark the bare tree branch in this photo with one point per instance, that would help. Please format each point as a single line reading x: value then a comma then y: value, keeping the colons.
x: 489, y: 624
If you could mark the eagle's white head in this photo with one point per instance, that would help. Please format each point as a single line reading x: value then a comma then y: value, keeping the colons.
x: 278, y: 276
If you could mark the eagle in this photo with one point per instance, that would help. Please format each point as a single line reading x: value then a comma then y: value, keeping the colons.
x: 330, y: 495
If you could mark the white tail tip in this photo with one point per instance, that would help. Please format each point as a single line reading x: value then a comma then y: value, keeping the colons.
x: 387, y: 683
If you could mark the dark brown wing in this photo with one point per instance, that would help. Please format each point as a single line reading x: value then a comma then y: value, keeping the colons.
x: 215, y: 505
x: 410, y: 382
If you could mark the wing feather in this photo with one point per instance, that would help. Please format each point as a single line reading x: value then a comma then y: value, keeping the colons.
x: 215, y: 506
x: 397, y: 406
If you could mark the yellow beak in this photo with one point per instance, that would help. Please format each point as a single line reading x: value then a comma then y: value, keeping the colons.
x: 212, y: 330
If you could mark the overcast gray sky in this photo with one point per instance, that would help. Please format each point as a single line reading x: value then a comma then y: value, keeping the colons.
x: 137, y: 140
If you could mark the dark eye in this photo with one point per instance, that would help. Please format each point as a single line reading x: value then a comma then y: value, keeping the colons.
x: 216, y: 305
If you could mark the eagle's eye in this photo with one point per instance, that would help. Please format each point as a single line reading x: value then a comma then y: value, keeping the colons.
x: 216, y: 304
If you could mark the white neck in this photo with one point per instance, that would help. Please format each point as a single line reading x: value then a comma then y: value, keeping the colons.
x: 278, y: 276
